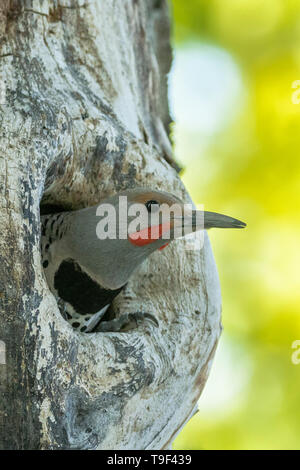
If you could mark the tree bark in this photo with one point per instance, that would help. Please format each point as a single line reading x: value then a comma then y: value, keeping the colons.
x: 85, y: 115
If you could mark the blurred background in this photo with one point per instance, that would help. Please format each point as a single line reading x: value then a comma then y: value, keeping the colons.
x: 236, y: 103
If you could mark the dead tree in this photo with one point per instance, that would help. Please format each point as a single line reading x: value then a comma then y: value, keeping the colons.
x: 84, y: 114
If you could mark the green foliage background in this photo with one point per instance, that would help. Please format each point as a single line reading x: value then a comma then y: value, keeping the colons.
x: 249, y: 168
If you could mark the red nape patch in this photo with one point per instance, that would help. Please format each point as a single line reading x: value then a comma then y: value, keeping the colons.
x: 149, y: 234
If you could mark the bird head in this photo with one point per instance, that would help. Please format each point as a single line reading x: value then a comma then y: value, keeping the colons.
x: 164, y: 217
x: 126, y: 228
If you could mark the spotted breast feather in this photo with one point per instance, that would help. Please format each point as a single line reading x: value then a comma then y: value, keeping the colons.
x: 86, y: 301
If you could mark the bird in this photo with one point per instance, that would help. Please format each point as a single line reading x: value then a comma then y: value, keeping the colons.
x: 88, y: 255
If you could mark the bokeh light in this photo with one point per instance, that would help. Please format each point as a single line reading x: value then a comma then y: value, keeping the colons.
x: 236, y: 134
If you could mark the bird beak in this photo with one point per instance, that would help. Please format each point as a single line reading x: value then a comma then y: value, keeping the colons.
x: 193, y: 221
x: 213, y: 219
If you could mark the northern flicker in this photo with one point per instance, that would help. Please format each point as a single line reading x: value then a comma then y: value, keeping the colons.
x: 86, y: 267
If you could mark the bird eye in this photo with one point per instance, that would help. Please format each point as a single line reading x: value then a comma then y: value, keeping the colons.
x: 152, y: 206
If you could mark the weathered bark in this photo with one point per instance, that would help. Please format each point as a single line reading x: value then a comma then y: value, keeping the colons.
x: 86, y: 115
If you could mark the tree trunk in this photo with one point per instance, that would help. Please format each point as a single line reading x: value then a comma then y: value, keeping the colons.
x: 84, y: 114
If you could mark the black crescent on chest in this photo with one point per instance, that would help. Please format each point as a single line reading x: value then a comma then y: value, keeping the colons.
x: 76, y: 287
